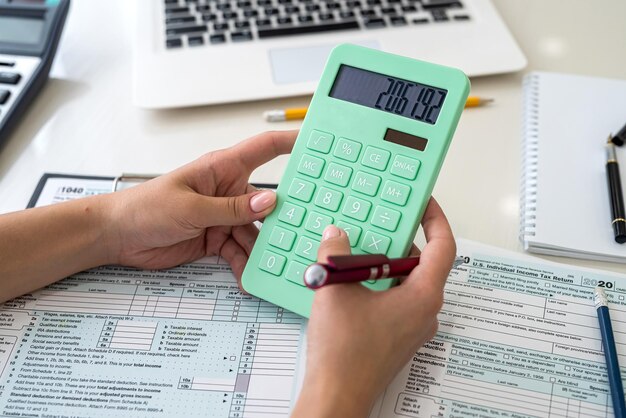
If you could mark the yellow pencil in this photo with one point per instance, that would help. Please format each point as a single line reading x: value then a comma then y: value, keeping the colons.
x: 279, y: 115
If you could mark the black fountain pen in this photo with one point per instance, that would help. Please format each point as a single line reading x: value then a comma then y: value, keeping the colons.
x: 615, y: 192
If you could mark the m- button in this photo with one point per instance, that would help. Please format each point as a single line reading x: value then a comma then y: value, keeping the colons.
x: 405, y: 167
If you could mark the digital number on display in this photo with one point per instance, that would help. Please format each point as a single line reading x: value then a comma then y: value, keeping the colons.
x: 394, y: 95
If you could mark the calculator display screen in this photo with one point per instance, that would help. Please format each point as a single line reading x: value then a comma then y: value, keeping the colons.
x: 389, y: 94
x: 20, y: 30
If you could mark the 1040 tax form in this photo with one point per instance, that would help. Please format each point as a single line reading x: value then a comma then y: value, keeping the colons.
x: 518, y: 337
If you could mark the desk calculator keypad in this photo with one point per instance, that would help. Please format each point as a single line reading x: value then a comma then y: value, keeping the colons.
x: 337, y: 180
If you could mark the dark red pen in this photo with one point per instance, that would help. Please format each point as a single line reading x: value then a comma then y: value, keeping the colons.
x: 357, y: 268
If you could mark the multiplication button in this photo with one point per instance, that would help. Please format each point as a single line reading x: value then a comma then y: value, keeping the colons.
x: 405, y: 167
x: 347, y: 150
x: 311, y: 166
x: 272, y: 263
x: 320, y: 141
x: 386, y: 218
x: 374, y: 243
x: 395, y: 193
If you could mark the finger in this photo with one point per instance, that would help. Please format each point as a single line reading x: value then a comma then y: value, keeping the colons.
x: 231, y: 210
x: 236, y: 257
x: 245, y: 235
x: 413, y: 252
x: 438, y: 254
x: 264, y: 147
x: 334, y: 242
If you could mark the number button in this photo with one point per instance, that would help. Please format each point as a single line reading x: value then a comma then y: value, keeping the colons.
x: 320, y: 141
x: 307, y: 248
x: 291, y: 214
x: 386, y: 218
x: 375, y: 158
x: 328, y: 199
x: 316, y: 222
x: 311, y: 166
x: 356, y: 208
x: 272, y: 263
x: 353, y: 232
x: 405, y: 167
x: 366, y: 183
x: 347, y: 150
x: 374, y: 243
x: 295, y: 272
x: 338, y: 174
x: 395, y: 193
x: 282, y: 238
x: 301, y: 190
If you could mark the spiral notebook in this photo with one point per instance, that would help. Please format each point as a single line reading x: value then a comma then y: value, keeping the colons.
x: 564, y: 199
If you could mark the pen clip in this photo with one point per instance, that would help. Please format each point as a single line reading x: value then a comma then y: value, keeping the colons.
x: 349, y: 262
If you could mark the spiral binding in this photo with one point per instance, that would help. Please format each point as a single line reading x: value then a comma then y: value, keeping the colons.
x: 530, y: 146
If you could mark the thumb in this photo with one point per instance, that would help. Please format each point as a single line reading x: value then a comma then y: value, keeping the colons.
x: 334, y: 242
x: 238, y: 210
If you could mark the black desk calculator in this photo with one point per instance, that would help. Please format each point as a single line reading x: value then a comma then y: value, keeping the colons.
x: 29, y: 35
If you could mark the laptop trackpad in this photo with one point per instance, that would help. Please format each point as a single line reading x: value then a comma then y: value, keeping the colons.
x: 300, y: 64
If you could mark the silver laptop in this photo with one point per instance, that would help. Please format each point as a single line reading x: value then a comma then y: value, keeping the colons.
x: 196, y: 52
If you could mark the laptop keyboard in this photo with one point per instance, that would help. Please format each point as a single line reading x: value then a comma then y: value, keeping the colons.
x: 190, y: 23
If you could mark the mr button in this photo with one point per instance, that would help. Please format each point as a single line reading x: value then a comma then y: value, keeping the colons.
x: 405, y: 167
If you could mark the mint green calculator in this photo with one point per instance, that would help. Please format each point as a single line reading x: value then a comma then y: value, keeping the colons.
x: 366, y: 159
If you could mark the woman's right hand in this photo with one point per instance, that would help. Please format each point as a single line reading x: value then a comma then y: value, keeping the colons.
x: 358, y: 339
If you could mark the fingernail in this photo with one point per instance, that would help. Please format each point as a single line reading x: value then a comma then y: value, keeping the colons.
x: 331, y: 231
x: 262, y: 201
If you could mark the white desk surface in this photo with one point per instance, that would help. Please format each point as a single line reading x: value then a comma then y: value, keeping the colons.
x: 84, y: 121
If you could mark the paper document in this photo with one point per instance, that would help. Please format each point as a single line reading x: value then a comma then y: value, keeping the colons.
x: 114, y: 340
x: 518, y: 337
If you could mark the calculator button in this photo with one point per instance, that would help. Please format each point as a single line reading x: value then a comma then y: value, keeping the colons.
x: 9, y: 78
x: 356, y: 208
x: 328, y: 199
x: 405, y: 167
x: 386, y: 218
x: 374, y: 243
x: 291, y: 214
x: 366, y: 183
x: 395, y: 193
x: 282, y: 238
x: 320, y: 141
x: 295, y: 272
x: 272, y: 263
x: 307, y: 248
x: 338, y: 174
x: 375, y: 158
x: 4, y: 96
x: 316, y: 222
x: 347, y: 150
x: 353, y: 232
x: 301, y: 190
x: 311, y: 166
